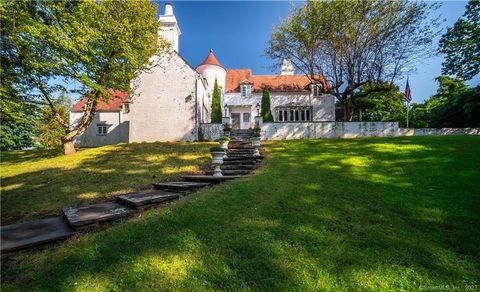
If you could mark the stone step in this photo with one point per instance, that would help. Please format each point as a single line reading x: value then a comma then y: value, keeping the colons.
x: 231, y: 172
x: 242, y: 150
x: 34, y: 233
x: 237, y: 167
x: 242, y: 158
x: 82, y: 217
x: 240, y: 147
x: 208, y: 178
x: 233, y: 155
x: 239, y: 162
x: 179, y: 186
x: 146, y: 198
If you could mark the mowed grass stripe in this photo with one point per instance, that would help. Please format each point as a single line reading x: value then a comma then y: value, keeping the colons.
x: 378, y: 213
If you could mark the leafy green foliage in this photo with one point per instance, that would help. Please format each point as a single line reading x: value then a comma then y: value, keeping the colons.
x: 380, y: 102
x: 48, y: 132
x: 454, y: 105
x: 354, y: 43
x: 16, y: 129
x: 216, y: 104
x: 95, y: 45
x: 266, y: 110
x: 377, y: 214
x: 216, y: 149
x: 224, y: 138
x: 461, y: 44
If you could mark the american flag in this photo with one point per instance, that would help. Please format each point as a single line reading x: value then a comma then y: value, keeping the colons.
x: 408, y: 95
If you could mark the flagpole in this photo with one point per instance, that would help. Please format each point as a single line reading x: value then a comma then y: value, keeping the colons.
x: 408, y: 106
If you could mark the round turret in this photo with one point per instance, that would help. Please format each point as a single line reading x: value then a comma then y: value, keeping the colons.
x: 211, y: 69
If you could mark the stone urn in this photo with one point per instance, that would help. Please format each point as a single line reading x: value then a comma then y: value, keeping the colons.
x: 224, y: 144
x: 217, y: 160
x: 256, y: 145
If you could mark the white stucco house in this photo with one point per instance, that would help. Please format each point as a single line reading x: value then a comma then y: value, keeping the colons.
x: 170, y: 101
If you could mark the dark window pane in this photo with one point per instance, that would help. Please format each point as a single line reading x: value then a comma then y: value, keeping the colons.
x: 291, y: 115
x: 303, y: 115
x: 285, y: 116
x: 296, y: 115
x: 308, y: 115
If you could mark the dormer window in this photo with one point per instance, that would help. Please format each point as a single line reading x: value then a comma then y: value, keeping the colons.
x: 317, y: 90
x: 246, y: 88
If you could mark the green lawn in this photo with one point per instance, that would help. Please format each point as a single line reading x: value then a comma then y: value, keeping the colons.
x: 375, y: 214
x: 37, y: 184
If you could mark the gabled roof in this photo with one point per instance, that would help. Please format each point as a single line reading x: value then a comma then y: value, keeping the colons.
x: 275, y: 83
x: 114, y: 103
x: 210, y: 60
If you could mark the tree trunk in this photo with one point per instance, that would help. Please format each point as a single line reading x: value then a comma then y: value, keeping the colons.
x: 347, y: 111
x: 68, y: 147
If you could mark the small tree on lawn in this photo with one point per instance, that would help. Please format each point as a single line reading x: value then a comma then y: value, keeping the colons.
x: 216, y: 108
x: 76, y: 47
x: 266, y: 111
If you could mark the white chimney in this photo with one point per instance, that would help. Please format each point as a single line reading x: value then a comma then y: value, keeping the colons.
x: 169, y: 28
x: 168, y: 9
x: 287, y: 67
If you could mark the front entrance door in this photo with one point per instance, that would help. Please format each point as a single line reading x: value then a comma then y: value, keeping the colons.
x: 235, y: 121
x: 245, y: 120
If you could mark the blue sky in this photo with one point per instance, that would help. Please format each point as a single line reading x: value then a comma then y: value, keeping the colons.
x: 238, y: 32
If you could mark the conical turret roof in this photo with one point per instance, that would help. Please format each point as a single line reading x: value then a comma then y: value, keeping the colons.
x: 210, y: 60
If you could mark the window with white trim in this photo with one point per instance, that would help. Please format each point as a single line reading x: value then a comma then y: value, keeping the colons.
x: 126, y: 107
x: 102, y: 129
x: 293, y: 114
x: 317, y: 90
x: 246, y: 90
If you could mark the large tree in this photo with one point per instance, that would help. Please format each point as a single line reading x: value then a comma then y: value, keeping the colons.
x: 77, y: 47
x: 353, y: 43
x: 381, y: 102
x: 461, y: 44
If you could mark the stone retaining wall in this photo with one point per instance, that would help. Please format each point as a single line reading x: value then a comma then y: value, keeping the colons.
x: 316, y: 130
x: 210, y: 132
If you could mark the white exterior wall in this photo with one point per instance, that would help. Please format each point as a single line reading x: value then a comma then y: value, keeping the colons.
x: 212, y: 72
x: 323, y: 107
x: 117, y: 132
x: 163, y: 102
x: 313, y: 130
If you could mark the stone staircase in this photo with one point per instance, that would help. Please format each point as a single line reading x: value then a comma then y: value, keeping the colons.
x: 240, y: 162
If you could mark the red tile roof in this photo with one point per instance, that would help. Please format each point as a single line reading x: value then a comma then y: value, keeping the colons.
x: 112, y: 104
x: 210, y: 60
x: 275, y: 83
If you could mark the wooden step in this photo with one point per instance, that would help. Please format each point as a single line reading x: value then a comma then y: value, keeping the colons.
x: 179, y: 186
x: 146, y: 198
